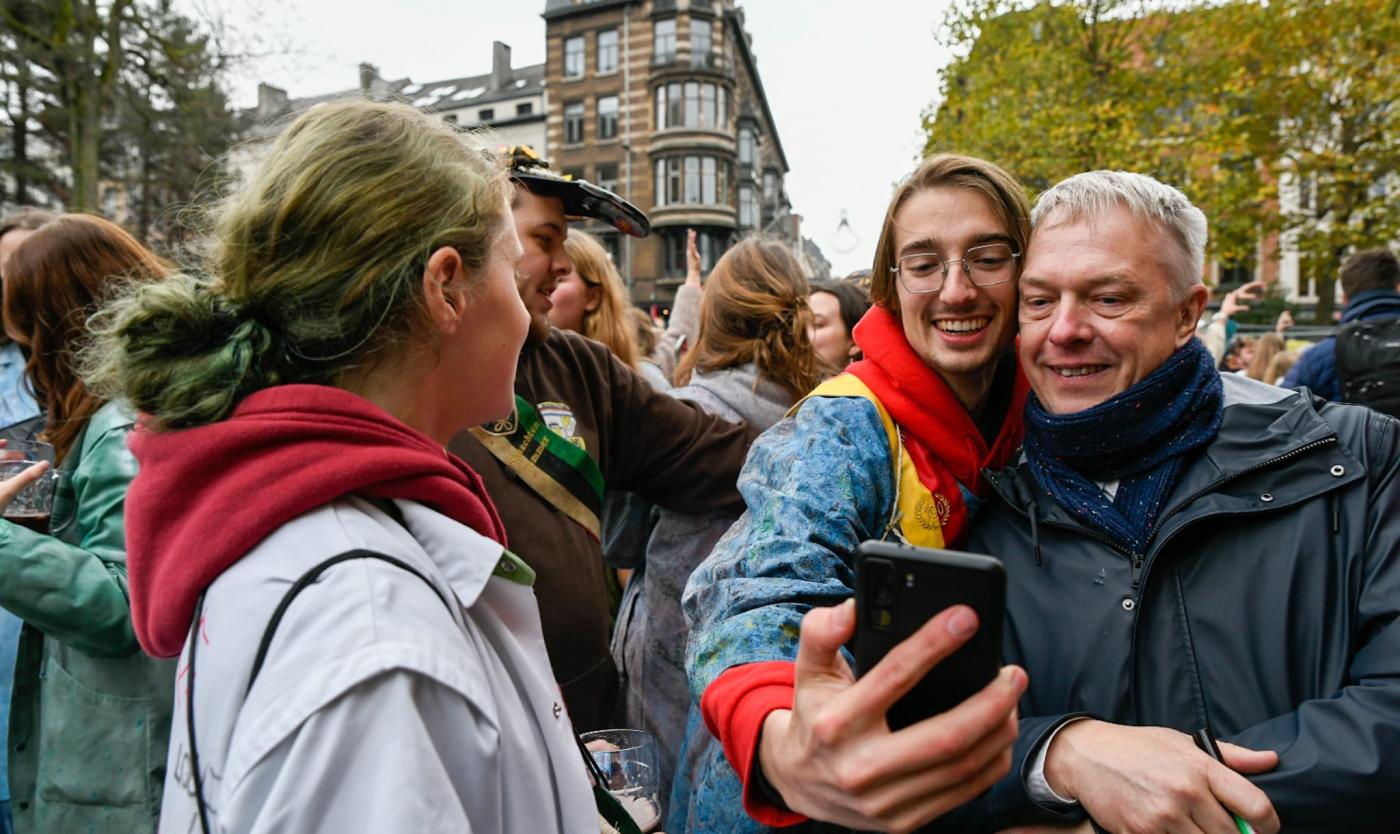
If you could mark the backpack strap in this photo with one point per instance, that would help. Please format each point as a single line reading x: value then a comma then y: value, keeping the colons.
x: 913, y: 519
x: 305, y: 580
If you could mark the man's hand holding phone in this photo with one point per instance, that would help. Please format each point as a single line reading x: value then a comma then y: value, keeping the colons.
x: 833, y: 756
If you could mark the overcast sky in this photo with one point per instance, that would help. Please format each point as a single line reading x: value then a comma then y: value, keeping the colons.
x: 846, y: 81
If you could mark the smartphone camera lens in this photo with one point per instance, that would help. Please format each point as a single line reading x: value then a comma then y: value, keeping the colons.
x: 881, y: 594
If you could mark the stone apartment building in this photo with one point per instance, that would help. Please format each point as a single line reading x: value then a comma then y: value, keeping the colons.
x: 509, y: 101
x: 661, y: 101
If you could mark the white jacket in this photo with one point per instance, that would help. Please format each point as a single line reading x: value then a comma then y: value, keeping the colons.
x: 377, y: 709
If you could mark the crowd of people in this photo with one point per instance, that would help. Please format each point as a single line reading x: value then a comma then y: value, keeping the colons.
x: 363, y: 517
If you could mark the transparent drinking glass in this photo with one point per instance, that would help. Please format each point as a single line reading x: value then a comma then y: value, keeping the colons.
x: 626, y: 761
x: 33, y: 506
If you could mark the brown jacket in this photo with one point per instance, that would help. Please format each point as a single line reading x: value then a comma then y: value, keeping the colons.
x: 671, y: 452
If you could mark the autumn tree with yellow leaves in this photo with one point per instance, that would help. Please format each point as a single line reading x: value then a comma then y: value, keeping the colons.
x: 1273, y: 117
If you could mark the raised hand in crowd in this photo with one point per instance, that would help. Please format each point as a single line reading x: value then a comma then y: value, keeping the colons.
x: 692, y: 260
x: 1237, y: 301
x: 833, y: 756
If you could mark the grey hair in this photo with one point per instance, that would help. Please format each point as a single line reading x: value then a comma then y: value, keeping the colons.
x: 1093, y: 194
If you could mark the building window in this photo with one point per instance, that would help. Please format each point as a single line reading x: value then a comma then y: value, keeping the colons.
x: 708, y: 182
x: 670, y: 107
x: 664, y: 41
x: 770, y: 187
x: 746, y: 147
x: 675, y: 243
x: 485, y: 114
x: 573, y: 123
x: 573, y: 57
x: 668, y: 181
x: 692, y: 103
x: 607, y: 117
x: 450, y: 118
x: 748, y: 216
x: 707, y: 106
x: 613, y: 244
x: 607, y: 51
x: 722, y: 109
x: 571, y: 173
x: 607, y: 177
x: 711, y: 246
x: 524, y: 109
x: 700, y: 42
x: 692, y: 180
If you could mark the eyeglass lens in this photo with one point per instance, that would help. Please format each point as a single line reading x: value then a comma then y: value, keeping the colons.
x: 925, y: 271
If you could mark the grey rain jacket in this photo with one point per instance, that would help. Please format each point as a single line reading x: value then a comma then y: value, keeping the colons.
x: 1265, y: 606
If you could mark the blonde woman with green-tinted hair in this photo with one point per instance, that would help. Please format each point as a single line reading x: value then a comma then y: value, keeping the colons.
x: 358, y: 650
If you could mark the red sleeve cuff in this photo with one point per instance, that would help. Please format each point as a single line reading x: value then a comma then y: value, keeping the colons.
x: 734, y: 707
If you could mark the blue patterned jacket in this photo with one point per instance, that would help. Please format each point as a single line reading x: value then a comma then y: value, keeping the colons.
x: 816, y: 485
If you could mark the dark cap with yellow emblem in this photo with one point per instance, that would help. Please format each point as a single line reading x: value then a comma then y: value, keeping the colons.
x: 581, y: 198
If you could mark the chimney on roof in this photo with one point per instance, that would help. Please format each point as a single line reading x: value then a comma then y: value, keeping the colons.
x: 501, y: 73
x: 271, y: 102
x: 368, y: 74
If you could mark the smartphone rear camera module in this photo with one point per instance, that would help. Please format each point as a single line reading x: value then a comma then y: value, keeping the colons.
x: 881, y: 594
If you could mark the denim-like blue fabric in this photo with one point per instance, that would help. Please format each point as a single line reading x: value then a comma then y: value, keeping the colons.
x: 816, y: 484
x: 16, y: 401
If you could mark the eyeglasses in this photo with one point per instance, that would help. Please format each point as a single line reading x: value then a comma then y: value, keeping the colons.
x: 924, y: 272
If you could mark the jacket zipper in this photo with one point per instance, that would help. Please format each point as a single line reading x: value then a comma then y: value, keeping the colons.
x: 1307, y: 447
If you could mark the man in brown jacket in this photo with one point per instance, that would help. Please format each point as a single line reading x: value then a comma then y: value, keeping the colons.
x: 585, y: 420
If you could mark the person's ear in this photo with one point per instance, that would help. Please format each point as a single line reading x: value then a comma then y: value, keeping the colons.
x: 442, y: 294
x: 1189, y: 313
x: 595, y: 297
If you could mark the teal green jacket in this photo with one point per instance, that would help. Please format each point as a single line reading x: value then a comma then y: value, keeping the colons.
x: 90, y: 718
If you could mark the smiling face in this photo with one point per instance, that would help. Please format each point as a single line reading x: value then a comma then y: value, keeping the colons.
x: 960, y: 330
x: 1097, y: 313
x: 541, y: 227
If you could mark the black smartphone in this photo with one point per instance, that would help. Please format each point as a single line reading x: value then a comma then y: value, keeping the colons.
x: 898, y: 589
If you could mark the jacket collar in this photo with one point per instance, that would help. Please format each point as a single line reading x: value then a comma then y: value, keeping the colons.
x: 1372, y: 302
x: 466, y: 567
x: 1261, y: 427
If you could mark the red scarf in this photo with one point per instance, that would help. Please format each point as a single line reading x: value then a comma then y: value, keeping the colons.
x: 941, y: 437
x: 206, y: 496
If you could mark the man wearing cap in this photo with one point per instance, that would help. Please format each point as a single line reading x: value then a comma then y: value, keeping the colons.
x: 584, y: 421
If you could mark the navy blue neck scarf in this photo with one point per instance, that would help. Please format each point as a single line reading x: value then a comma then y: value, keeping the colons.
x: 1139, y: 438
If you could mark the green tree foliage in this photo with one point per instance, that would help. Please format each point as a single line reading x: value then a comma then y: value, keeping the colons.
x: 114, y: 105
x: 1242, y: 104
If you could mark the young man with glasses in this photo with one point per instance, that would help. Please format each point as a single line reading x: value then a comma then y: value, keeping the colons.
x: 892, y: 449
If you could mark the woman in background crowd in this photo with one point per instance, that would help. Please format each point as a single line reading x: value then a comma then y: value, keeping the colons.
x: 90, y: 720
x: 1279, y: 366
x: 359, y: 309
x: 592, y: 299
x: 1266, y: 347
x: 836, y: 307
x: 752, y: 360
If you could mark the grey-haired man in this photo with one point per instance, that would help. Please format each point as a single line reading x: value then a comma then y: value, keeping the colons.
x: 1186, y: 552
